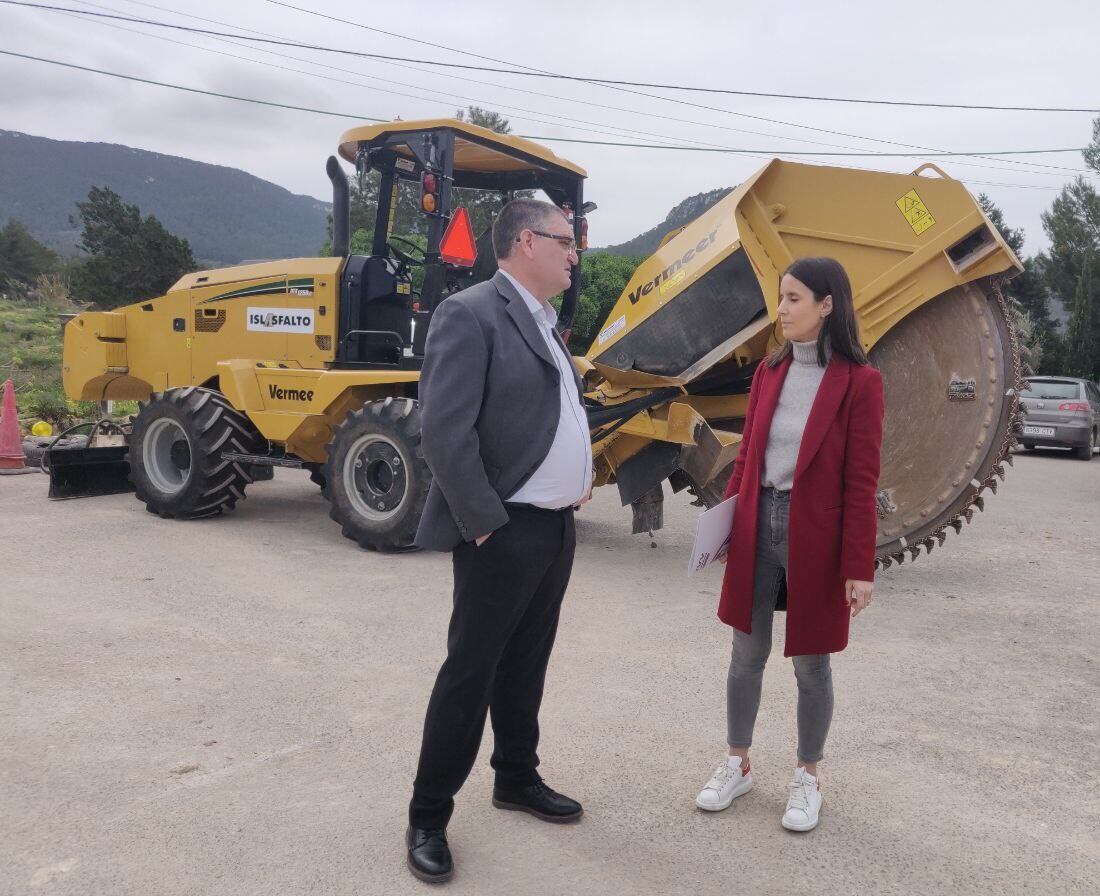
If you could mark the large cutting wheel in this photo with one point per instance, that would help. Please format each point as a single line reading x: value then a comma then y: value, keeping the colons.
x: 950, y: 370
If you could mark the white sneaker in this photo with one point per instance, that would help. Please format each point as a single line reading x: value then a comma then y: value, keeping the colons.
x: 726, y: 784
x: 804, y: 803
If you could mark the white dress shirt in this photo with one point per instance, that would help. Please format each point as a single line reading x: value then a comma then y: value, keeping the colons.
x: 564, y: 477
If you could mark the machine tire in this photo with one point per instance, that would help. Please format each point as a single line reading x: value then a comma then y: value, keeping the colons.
x: 1085, y: 451
x: 375, y: 459
x: 175, y: 453
x: 317, y: 476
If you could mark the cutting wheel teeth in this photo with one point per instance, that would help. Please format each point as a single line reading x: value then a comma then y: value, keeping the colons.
x: 1015, y: 413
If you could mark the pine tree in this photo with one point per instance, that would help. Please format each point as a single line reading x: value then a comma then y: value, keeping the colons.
x: 129, y: 257
x: 1073, y: 226
x: 1028, y: 287
x: 22, y: 259
x: 1083, y: 339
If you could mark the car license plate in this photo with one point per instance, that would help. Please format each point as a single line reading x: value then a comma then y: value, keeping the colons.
x: 1043, y: 431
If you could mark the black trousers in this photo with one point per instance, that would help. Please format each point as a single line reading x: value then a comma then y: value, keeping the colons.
x: 507, y: 597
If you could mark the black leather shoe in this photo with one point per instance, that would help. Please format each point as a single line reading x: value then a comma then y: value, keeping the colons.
x: 540, y: 801
x: 429, y: 856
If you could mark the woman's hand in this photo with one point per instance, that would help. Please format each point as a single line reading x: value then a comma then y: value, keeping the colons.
x: 858, y: 595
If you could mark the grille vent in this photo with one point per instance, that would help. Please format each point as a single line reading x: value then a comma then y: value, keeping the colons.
x: 208, y: 320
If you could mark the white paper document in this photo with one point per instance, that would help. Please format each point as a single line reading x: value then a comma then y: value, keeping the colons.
x: 713, y: 536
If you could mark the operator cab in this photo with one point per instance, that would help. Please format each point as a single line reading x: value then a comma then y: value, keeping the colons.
x: 387, y: 298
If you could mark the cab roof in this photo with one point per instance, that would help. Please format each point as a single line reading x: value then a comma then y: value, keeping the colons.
x: 477, y: 149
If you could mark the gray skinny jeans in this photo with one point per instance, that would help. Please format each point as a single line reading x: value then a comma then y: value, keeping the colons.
x: 750, y: 652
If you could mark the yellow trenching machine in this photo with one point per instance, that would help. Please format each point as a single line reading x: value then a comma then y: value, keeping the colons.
x: 314, y: 362
x: 927, y: 268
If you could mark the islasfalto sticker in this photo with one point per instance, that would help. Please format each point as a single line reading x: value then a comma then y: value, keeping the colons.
x: 611, y: 330
x: 280, y: 320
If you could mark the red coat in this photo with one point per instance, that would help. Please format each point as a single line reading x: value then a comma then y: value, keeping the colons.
x: 833, y: 517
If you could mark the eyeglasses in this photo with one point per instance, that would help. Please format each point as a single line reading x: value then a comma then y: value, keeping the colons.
x: 566, y: 242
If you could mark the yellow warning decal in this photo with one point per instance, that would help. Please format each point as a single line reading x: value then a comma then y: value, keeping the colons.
x: 916, y: 212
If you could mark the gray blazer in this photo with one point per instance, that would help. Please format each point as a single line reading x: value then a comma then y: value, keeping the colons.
x: 489, y: 409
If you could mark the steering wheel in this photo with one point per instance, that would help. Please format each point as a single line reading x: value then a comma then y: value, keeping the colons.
x: 404, y: 257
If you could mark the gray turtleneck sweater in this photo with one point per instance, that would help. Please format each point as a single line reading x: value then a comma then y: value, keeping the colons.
x: 791, y: 413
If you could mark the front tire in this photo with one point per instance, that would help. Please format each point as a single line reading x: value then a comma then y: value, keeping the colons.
x: 376, y: 479
x: 175, y: 453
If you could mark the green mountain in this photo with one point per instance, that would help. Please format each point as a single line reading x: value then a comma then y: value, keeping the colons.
x: 684, y: 213
x: 226, y: 214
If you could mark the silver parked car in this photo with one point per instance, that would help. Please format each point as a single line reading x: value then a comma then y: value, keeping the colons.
x: 1060, y: 412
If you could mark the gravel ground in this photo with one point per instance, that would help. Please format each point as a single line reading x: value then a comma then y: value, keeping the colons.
x: 234, y: 706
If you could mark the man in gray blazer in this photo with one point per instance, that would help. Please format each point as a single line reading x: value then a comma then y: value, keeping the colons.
x: 505, y: 435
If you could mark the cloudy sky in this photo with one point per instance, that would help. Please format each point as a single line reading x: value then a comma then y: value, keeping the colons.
x: 1005, y: 53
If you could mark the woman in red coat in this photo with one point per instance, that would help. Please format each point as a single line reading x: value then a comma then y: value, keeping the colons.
x: 803, y: 535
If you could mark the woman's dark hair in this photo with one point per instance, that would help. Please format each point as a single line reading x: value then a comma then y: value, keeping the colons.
x: 840, y: 329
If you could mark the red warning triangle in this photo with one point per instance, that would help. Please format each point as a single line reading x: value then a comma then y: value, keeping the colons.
x: 457, y: 246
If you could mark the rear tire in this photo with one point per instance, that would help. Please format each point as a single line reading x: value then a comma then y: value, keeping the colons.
x: 175, y: 453
x: 376, y: 477
x: 317, y: 476
x: 1085, y: 451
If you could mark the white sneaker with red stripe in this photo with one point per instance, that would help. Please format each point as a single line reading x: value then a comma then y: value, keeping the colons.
x: 804, y: 803
x: 727, y: 783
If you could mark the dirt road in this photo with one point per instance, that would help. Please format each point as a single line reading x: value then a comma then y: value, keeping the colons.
x: 234, y: 706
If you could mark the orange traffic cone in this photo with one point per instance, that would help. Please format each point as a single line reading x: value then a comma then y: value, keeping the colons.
x: 11, y: 445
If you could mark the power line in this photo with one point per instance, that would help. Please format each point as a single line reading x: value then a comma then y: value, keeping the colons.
x: 458, y: 96
x: 1013, y: 162
x: 349, y: 71
x: 387, y: 58
x: 618, y: 132
x: 679, y: 148
x: 489, y: 84
x: 535, y: 72
x: 539, y: 73
x: 224, y: 96
x: 354, y: 116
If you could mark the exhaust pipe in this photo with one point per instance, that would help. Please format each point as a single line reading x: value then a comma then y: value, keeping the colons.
x: 341, y: 208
